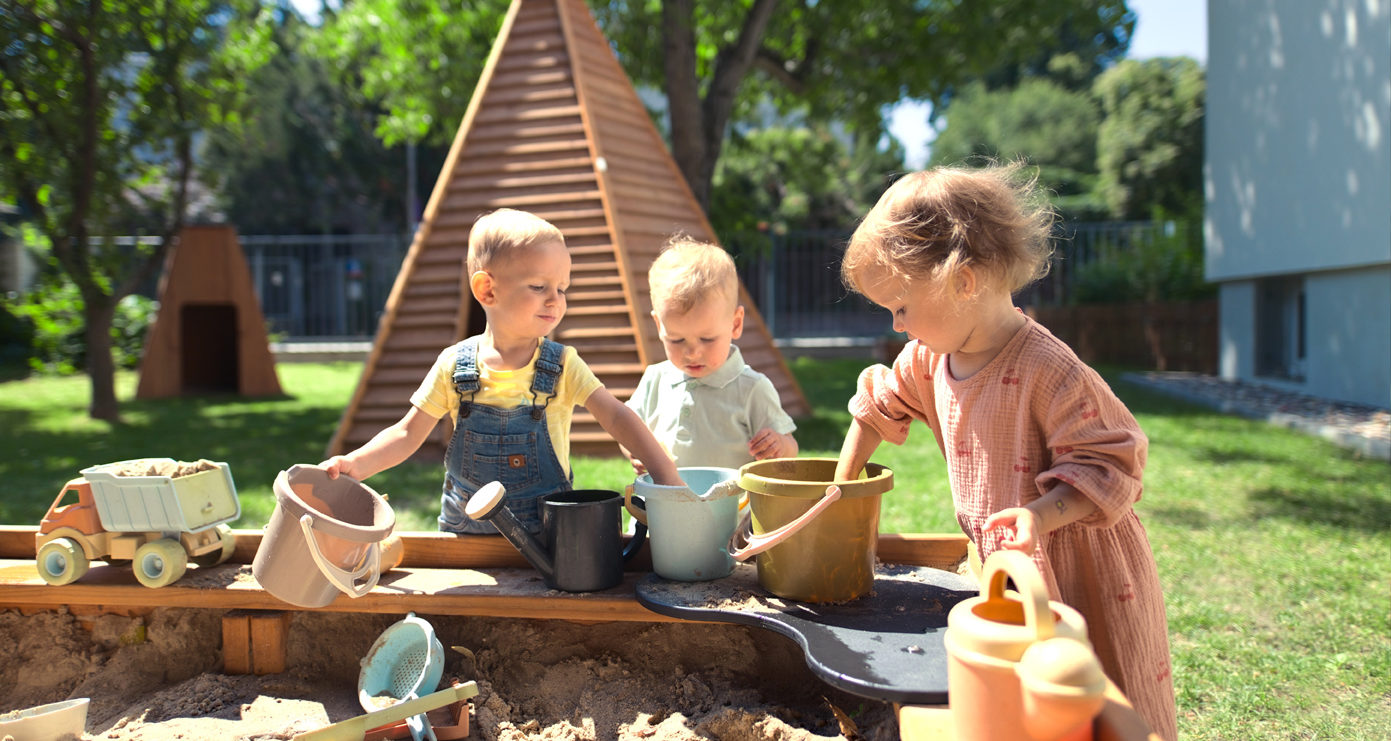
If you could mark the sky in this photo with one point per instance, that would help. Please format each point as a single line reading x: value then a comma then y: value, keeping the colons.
x: 1163, y: 28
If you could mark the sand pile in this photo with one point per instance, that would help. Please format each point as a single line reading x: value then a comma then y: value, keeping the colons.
x: 157, y: 676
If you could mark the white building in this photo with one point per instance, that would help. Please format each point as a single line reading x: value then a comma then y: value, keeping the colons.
x: 1298, y: 190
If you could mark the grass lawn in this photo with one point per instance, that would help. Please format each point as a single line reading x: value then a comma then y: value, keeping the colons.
x: 1274, y: 547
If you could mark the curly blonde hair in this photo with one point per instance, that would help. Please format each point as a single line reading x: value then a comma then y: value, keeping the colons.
x: 503, y: 233
x: 930, y: 224
x: 688, y: 272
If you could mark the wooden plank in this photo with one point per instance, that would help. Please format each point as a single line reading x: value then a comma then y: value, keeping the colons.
x: 516, y: 593
x: 428, y: 549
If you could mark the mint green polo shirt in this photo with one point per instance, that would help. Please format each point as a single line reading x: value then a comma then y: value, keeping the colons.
x: 709, y: 421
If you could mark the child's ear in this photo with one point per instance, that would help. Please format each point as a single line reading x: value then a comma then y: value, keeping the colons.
x: 738, y: 322
x: 966, y: 282
x: 481, y: 283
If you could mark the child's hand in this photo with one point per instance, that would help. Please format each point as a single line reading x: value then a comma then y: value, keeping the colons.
x: 768, y: 444
x: 1025, y: 525
x: 339, y: 465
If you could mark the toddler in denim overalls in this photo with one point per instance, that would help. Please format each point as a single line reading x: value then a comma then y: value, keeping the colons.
x: 511, y: 390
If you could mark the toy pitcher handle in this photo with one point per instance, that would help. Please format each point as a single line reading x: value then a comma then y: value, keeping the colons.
x: 1033, y: 593
x: 757, y: 544
x: 639, y: 513
x: 346, y: 581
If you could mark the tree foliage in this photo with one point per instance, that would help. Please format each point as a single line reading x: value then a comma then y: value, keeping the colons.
x: 307, y: 159
x: 715, y: 60
x: 1040, y: 122
x: 797, y: 177
x: 99, y: 106
x: 1150, y: 144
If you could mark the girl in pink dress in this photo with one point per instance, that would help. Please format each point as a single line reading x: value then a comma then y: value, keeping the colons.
x: 1041, y: 455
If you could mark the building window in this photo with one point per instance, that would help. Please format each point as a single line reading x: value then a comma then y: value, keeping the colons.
x: 1280, y: 328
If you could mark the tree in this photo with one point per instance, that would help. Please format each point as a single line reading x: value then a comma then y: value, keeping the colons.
x: 796, y: 177
x: 1040, y: 122
x: 715, y: 59
x: 837, y: 61
x: 99, y: 106
x: 1150, y: 143
x: 306, y: 159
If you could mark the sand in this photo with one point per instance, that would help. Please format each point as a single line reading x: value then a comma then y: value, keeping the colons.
x: 157, y: 676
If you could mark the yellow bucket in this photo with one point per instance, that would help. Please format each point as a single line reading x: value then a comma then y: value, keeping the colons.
x: 832, y: 558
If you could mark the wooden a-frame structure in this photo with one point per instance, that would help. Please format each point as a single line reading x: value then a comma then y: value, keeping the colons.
x: 209, y: 335
x: 555, y: 128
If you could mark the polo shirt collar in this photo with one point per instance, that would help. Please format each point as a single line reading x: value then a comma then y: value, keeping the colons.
x: 724, y: 375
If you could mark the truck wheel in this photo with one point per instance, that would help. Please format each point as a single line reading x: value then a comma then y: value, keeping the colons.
x: 61, y: 561
x: 160, y: 563
x: 229, y: 544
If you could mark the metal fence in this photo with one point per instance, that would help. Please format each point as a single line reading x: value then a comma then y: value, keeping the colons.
x: 323, y: 287
x: 333, y: 287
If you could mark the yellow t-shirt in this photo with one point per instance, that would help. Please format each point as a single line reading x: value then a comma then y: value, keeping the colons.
x: 507, y: 389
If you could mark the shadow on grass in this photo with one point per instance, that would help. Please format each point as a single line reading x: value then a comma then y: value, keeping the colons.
x: 1191, y: 518
x: 1356, y: 508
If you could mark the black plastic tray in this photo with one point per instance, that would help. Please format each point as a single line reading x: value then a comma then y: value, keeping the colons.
x: 885, y: 646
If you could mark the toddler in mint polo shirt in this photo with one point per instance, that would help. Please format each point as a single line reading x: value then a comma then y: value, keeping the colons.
x: 704, y: 404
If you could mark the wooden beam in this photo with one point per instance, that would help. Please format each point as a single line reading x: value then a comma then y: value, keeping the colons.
x: 517, y: 593
x: 447, y: 551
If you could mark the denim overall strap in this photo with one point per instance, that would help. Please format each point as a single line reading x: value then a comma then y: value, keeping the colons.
x: 547, y: 377
x: 466, y: 375
x: 512, y: 446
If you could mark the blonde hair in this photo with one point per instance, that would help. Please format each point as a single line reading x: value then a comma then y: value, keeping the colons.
x: 503, y: 233
x: 688, y: 272
x: 930, y: 224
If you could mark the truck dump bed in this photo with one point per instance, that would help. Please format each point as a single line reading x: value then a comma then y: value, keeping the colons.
x: 190, y: 503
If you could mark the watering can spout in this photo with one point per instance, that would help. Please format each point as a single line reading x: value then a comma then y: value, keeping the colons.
x: 486, y: 504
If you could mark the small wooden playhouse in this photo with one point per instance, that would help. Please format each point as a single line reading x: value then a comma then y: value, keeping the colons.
x: 209, y: 335
x: 555, y: 128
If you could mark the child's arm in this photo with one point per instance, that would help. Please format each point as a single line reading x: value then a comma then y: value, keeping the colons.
x: 627, y: 428
x: 768, y: 444
x: 860, y: 443
x: 386, y: 449
x: 1062, y: 505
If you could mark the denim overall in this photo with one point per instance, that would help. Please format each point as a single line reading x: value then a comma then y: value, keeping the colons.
x: 508, y: 445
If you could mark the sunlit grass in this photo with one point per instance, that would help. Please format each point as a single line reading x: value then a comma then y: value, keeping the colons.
x: 1273, y: 546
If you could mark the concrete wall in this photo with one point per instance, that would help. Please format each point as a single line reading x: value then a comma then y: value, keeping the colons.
x: 1298, y: 175
x: 1350, y: 334
x: 1298, y: 183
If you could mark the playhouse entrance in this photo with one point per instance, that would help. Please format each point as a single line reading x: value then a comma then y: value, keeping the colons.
x: 208, y: 337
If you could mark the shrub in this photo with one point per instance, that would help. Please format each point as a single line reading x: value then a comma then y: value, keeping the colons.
x: 53, y: 312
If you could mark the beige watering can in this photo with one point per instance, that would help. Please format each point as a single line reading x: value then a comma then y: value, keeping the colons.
x: 1019, y: 665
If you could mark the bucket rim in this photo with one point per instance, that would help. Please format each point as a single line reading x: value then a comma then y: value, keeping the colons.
x: 878, y: 480
x: 326, y: 523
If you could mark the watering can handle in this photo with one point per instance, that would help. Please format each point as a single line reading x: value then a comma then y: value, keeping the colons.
x: 344, y: 580
x: 1033, y: 593
x: 638, y: 513
x: 760, y: 543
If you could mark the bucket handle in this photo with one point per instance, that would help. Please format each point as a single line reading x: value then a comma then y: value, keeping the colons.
x: 638, y: 513
x: 1032, y: 592
x: 346, y: 581
x: 759, y: 543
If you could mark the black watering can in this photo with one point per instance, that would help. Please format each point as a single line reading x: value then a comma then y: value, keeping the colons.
x: 580, y: 546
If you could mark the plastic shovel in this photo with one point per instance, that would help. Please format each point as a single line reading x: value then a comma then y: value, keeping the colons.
x: 353, y: 729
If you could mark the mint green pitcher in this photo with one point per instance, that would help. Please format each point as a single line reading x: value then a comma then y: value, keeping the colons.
x: 690, y: 528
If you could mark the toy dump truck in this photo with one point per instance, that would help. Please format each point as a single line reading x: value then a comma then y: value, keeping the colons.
x: 154, y: 513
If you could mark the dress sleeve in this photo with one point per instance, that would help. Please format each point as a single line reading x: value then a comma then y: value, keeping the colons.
x: 888, y: 399
x: 1096, y: 446
x: 765, y: 408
